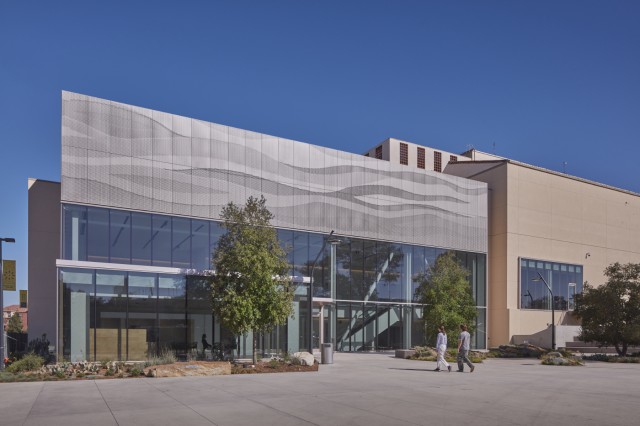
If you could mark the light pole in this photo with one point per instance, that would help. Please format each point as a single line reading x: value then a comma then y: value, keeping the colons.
x: 5, y: 240
x: 333, y: 241
x: 553, y: 311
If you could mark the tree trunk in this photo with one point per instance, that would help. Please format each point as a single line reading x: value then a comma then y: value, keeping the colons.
x: 622, y: 351
x: 255, y: 341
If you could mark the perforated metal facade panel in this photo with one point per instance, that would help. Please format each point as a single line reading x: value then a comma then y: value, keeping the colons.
x: 121, y: 156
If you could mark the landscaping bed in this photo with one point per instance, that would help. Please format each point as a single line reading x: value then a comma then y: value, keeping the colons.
x: 31, y: 368
x: 272, y: 366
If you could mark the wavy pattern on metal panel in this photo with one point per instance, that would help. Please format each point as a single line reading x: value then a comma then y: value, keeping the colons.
x: 128, y: 157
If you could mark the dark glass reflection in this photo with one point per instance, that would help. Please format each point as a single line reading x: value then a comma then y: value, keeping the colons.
x: 78, y: 312
x: 111, y: 315
x: 97, y: 235
x: 565, y: 281
x: 120, y: 236
x: 172, y: 330
x: 141, y: 238
x: 142, y: 327
x: 181, y: 242
x: 161, y: 241
x: 200, y: 255
x: 74, y: 237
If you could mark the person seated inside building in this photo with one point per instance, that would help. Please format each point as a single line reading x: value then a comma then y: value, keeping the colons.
x: 205, y: 344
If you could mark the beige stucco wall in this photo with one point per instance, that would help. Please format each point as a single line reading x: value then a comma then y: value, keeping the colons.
x: 557, y: 218
x: 548, y: 216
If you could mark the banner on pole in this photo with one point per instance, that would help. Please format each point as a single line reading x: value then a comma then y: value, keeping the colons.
x: 9, y: 275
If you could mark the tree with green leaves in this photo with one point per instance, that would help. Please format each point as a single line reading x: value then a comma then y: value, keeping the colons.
x: 446, y: 294
x: 14, y: 325
x: 251, y: 288
x: 610, y: 313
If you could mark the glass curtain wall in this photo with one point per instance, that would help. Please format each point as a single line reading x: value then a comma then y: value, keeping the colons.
x: 375, y: 283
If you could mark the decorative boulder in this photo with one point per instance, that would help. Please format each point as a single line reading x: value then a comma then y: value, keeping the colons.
x: 302, y: 358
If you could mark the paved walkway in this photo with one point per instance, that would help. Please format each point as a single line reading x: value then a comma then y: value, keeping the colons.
x: 359, y: 389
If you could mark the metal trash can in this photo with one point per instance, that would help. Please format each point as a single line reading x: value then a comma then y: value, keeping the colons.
x: 326, y: 353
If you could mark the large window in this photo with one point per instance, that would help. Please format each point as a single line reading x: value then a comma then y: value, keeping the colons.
x: 374, y: 327
x: 98, y: 235
x: 564, y: 280
x: 120, y: 236
x: 142, y: 327
x: 140, y: 239
x: 75, y: 232
x: 77, y: 318
x: 111, y: 316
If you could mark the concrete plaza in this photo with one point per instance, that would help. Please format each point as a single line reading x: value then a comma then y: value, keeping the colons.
x: 358, y: 389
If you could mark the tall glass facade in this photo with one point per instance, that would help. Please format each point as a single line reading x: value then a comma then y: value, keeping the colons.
x: 130, y: 315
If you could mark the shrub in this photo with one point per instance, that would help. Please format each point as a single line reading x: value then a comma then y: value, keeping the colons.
x: 612, y: 358
x: 554, y: 358
x: 424, y: 353
x: 625, y: 359
x: 135, y: 372
x: 6, y: 377
x: 477, y: 356
x: 274, y: 363
x: 596, y: 357
x: 40, y: 346
x: 167, y: 356
x: 29, y: 362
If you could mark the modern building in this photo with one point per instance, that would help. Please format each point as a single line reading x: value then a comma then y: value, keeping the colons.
x: 117, y: 250
x: 541, y: 223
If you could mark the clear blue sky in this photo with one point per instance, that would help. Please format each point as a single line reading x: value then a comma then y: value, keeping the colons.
x: 545, y: 81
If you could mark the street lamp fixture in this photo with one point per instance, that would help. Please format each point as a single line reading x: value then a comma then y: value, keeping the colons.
x: 2, y: 240
x: 334, y: 241
x: 553, y: 312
